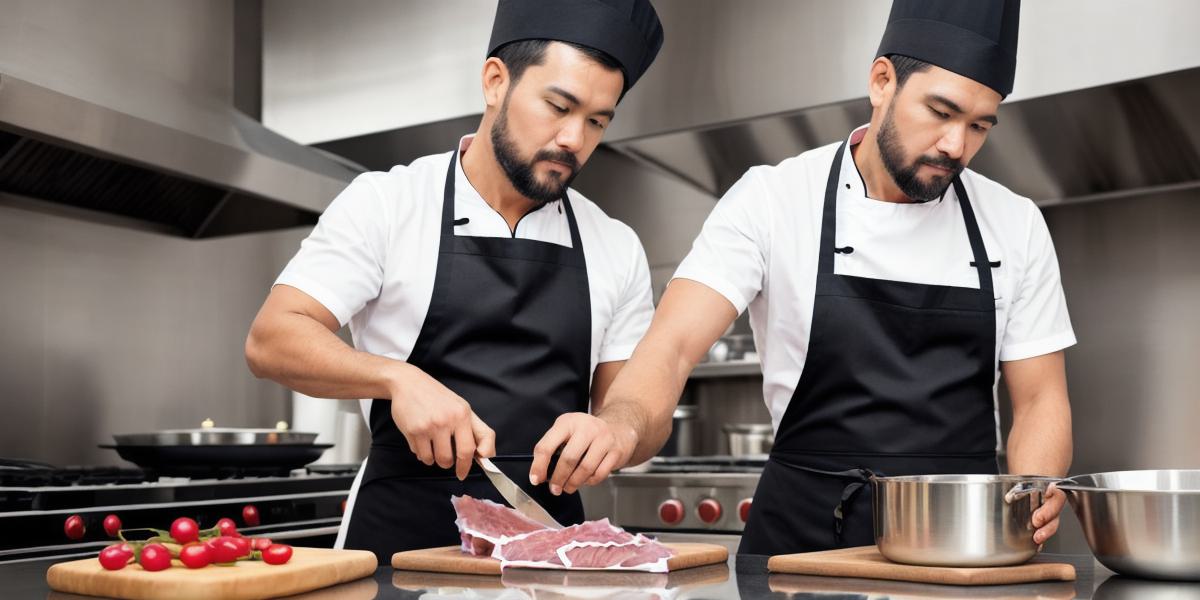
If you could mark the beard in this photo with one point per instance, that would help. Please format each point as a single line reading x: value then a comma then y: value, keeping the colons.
x: 520, y: 172
x: 905, y: 175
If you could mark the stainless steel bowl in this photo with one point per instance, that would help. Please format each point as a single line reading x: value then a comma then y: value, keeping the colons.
x: 1141, y: 523
x: 957, y: 520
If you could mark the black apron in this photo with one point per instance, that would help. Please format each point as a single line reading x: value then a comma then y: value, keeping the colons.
x: 898, y: 381
x: 508, y: 330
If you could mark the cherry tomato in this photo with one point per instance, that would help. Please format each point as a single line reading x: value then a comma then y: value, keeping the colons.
x: 277, y: 554
x: 195, y: 556
x: 224, y: 549
x: 260, y: 544
x: 155, y: 557
x: 116, y: 556
x: 243, y: 545
x: 185, y: 530
x: 250, y: 515
x: 227, y: 527
x: 112, y: 525
x: 74, y: 527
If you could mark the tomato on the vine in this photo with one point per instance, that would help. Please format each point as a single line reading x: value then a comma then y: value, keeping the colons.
x: 227, y: 527
x: 155, y: 557
x: 277, y: 554
x: 243, y: 545
x: 224, y: 549
x: 260, y: 544
x: 195, y: 556
x: 185, y: 530
x: 116, y: 556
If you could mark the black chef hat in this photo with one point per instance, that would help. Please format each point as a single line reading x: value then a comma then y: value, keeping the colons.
x: 627, y: 30
x: 976, y: 39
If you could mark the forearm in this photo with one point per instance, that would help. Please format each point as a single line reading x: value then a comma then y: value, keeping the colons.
x: 643, y: 397
x: 302, y: 354
x: 1040, y: 440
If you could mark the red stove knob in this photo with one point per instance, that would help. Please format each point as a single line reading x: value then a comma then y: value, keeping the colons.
x: 74, y: 527
x: 671, y: 512
x: 709, y: 510
x: 112, y: 525
x: 250, y: 515
x: 744, y: 509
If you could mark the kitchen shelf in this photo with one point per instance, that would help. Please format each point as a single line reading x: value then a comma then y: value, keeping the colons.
x: 733, y: 368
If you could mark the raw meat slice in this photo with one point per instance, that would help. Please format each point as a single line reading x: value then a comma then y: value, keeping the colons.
x: 540, y: 548
x: 492, y: 529
x: 482, y: 524
x: 643, y: 554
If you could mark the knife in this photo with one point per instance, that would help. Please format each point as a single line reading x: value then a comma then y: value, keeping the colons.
x: 516, y: 496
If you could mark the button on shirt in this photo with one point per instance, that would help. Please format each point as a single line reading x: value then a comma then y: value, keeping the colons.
x: 372, y: 257
x: 759, y: 246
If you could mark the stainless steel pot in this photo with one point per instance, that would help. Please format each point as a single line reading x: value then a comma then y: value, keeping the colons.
x: 957, y: 520
x: 1141, y: 523
x: 682, y: 441
x: 749, y: 439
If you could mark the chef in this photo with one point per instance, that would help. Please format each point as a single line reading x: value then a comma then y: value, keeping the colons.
x: 490, y: 305
x: 888, y: 287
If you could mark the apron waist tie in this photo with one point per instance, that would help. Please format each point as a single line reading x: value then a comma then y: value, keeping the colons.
x: 858, y: 478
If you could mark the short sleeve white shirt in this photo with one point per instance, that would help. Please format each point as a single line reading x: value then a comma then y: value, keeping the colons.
x: 372, y: 257
x: 759, y: 250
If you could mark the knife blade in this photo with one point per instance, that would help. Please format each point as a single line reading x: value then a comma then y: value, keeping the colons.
x: 516, y: 496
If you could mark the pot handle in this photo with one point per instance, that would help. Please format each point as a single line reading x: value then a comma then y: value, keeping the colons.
x: 1026, y: 488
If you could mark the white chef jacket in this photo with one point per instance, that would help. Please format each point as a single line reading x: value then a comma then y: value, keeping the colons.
x: 759, y: 249
x: 372, y: 257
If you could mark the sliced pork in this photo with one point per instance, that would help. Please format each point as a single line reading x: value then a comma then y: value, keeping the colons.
x: 483, y: 523
x: 490, y: 528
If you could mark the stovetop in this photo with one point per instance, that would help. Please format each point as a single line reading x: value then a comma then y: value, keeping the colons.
x: 698, y: 494
x: 30, y: 474
x: 37, y: 499
x: 703, y: 464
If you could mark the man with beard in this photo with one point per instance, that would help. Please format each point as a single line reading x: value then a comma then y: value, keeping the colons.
x: 490, y: 305
x: 887, y: 286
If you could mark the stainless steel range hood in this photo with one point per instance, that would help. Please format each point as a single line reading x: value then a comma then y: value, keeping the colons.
x: 1120, y: 139
x: 225, y: 174
x: 1101, y: 107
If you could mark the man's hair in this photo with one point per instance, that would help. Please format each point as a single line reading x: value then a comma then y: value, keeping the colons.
x: 522, y: 54
x: 905, y: 66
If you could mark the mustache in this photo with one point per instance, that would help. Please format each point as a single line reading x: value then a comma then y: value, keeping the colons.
x: 561, y: 156
x: 950, y: 164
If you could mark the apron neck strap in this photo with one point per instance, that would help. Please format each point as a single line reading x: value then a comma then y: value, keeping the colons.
x: 977, y: 250
x: 829, y: 215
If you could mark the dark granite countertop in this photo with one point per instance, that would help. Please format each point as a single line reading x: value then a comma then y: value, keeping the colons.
x: 741, y: 577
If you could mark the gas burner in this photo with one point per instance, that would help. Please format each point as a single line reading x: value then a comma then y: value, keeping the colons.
x: 34, y: 474
x: 218, y: 473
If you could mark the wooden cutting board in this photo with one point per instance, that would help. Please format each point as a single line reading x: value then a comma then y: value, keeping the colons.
x: 309, y: 569
x: 868, y: 563
x: 450, y: 559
